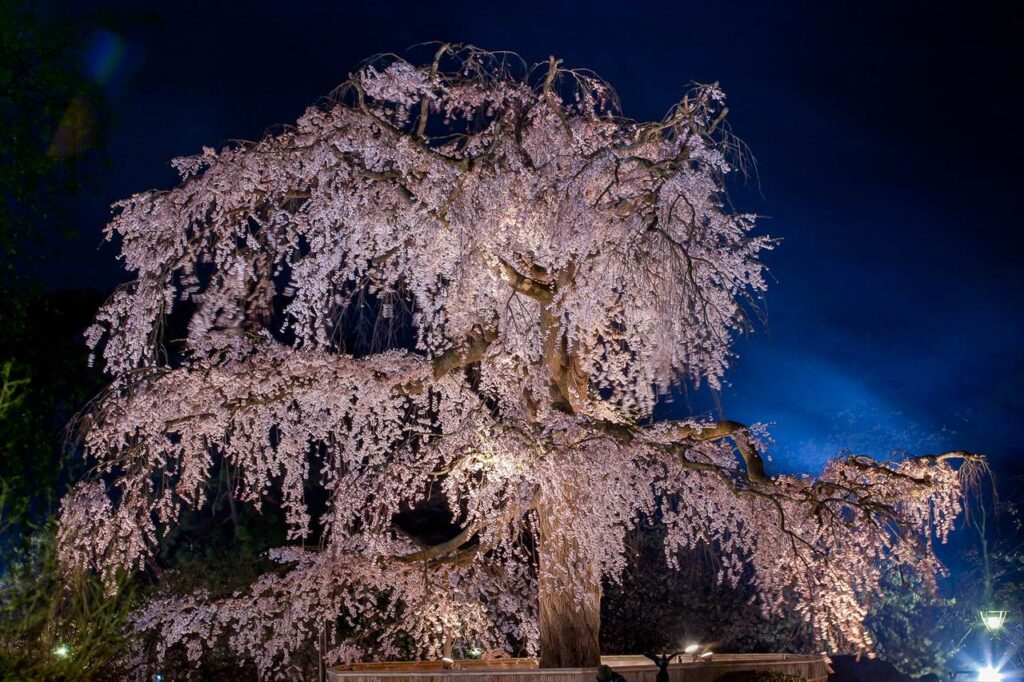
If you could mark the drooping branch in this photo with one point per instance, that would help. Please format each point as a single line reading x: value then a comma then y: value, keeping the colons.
x: 688, y: 431
x: 877, y: 492
x: 739, y: 434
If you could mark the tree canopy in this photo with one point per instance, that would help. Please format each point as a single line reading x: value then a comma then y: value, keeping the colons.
x: 467, y: 280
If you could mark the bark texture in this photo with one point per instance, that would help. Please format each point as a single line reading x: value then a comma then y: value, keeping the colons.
x: 569, y: 620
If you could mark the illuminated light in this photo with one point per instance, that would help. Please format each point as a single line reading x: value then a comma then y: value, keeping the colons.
x: 62, y: 651
x: 993, y: 620
x: 707, y: 655
x: 691, y: 648
x: 989, y: 674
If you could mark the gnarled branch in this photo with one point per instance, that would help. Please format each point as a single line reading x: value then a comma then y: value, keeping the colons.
x: 740, y: 436
x: 534, y: 288
x: 439, y: 551
x: 471, y: 350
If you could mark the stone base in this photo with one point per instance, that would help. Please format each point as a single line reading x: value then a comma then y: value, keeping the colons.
x: 633, y: 668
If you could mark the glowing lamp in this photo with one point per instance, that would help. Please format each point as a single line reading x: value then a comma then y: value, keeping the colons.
x: 993, y: 620
x: 691, y: 648
x: 989, y: 674
x: 62, y: 651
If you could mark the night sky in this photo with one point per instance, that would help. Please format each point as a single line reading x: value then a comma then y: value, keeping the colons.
x: 888, y: 162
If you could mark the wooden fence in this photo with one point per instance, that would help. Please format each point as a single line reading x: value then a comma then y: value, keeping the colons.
x: 633, y: 668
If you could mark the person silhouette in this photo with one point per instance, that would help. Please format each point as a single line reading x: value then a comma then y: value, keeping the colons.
x: 662, y: 663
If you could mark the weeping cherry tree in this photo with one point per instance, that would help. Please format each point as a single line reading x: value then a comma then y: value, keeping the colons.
x: 474, y: 280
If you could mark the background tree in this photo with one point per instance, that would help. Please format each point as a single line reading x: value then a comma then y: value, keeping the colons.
x: 465, y: 281
x: 53, y: 119
x: 663, y: 608
x: 921, y: 632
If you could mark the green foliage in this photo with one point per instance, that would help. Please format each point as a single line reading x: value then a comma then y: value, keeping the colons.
x: 12, y: 388
x: 42, y: 611
x: 52, y: 119
x: 1008, y: 561
x: 921, y: 633
x: 48, y: 375
x: 916, y: 631
x: 51, y: 116
x: 52, y: 628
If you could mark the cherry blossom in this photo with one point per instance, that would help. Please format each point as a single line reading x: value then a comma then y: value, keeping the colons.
x: 561, y: 268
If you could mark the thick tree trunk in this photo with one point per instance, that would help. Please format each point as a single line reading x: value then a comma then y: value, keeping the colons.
x: 570, y: 609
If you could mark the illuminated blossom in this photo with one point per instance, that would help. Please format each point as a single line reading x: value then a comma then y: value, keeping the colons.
x: 561, y: 267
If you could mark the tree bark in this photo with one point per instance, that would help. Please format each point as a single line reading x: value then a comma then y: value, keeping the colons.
x: 569, y: 612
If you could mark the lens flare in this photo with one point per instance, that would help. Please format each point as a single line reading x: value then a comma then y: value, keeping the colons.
x: 103, y: 55
x: 989, y: 674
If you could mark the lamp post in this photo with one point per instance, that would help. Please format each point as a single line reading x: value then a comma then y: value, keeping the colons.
x: 993, y: 620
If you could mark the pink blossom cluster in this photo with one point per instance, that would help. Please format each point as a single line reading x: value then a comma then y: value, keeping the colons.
x: 562, y: 267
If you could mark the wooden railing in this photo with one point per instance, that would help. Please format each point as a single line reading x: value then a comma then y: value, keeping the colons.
x: 633, y: 668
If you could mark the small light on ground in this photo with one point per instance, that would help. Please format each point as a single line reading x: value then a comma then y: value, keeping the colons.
x: 62, y: 651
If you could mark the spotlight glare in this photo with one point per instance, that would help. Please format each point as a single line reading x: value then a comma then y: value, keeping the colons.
x: 691, y: 648
x: 989, y: 674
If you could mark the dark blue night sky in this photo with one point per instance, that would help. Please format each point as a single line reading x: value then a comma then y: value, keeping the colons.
x: 887, y: 147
